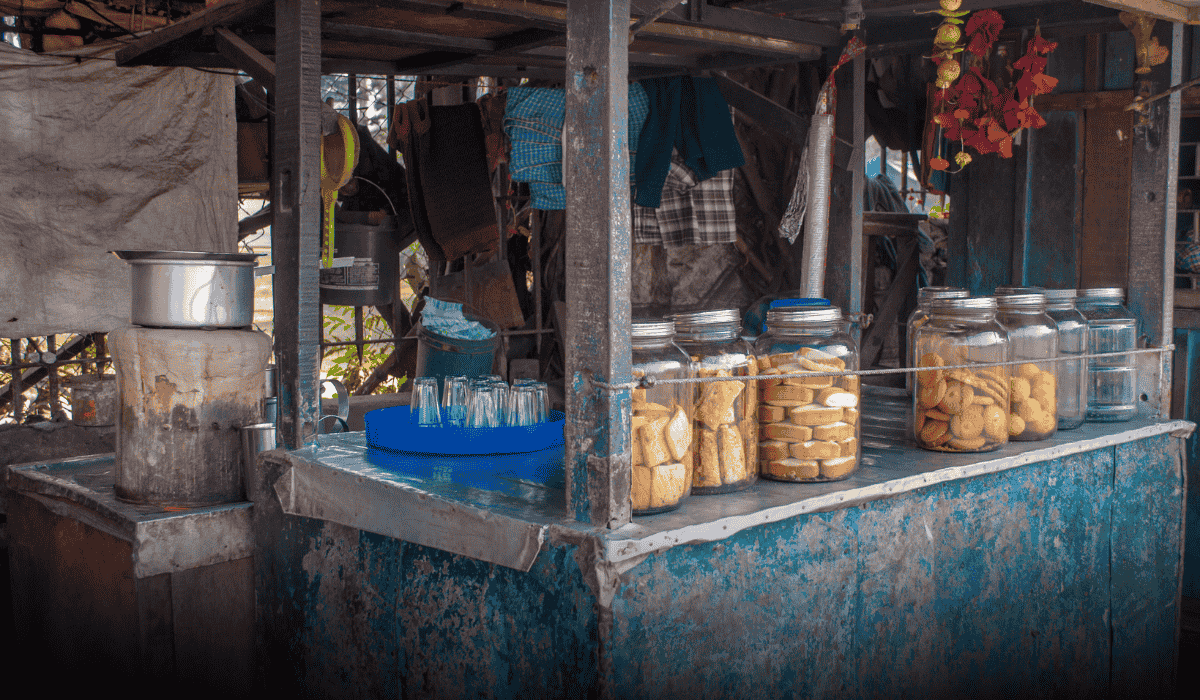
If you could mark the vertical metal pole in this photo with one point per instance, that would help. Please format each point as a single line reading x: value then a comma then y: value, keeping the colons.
x: 352, y: 97
x: 358, y: 332
x: 535, y: 257
x: 52, y: 371
x: 391, y: 110
x: 295, y: 235
x: 598, y: 260
x: 1151, y: 291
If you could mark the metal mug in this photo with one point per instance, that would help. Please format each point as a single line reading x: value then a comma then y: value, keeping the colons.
x: 255, y: 438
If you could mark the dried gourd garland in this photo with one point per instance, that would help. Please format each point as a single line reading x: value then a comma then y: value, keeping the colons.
x: 969, y: 107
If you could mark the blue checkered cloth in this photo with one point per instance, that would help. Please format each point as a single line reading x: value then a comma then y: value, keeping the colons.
x: 533, y: 122
x: 1187, y: 257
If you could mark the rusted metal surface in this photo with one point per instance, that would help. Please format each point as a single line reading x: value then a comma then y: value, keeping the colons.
x: 162, y: 541
x: 598, y: 254
x: 1186, y: 400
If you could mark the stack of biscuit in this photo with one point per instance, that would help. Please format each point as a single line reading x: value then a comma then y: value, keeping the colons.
x: 724, y: 439
x: 660, y: 440
x: 959, y: 410
x: 808, y: 426
x: 1033, y: 413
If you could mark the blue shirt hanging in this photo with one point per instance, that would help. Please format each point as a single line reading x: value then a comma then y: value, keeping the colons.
x: 691, y: 116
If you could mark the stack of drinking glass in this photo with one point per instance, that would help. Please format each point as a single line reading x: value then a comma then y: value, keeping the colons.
x: 479, y: 402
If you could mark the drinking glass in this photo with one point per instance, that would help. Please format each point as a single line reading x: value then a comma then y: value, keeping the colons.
x: 454, y: 400
x: 521, y: 406
x: 481, y: 411
x: 425, y: 406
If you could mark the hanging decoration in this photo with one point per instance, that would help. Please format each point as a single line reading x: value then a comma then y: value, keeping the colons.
x: 968, y: 106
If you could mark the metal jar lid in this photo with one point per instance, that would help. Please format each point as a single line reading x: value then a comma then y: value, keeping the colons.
x: 651, y: 329
x: 1006, y: 291
x: 1022, y: 300
x: 1059, y: 295
x: 965, y: 304
x: 928, y: 294
x: 1115, y: 293
x: 796, y: 316
x: 691, y: 321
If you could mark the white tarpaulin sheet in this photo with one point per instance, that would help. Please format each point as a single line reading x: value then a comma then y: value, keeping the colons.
x: 95, y: 158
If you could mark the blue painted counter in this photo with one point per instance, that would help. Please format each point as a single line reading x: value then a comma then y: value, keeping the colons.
x: 1042, y: 569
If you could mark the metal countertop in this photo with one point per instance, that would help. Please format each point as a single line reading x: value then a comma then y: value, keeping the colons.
x: 501, y: 508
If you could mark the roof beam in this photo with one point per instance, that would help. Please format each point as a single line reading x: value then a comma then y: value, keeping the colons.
x: 224, y: 14
x: 246, y: 57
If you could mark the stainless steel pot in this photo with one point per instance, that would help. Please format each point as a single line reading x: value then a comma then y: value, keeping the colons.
x: 186, y: 289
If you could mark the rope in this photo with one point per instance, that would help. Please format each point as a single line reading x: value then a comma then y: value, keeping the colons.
x: 647, y: 382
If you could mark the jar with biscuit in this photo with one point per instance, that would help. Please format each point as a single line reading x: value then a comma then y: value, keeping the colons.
x: 661, y: 424
x: 925, y: 297
x: 1072, y: 342
x: 958, y: 407
x: 1033, y: 342
x: 809, y: 418
x: 725, y: 413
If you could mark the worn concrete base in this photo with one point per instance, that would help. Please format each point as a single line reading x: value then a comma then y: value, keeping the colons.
x: 1051, y: 578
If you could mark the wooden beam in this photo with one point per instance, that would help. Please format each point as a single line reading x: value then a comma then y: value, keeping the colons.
x: 296, y: 234
x: 337, y: 31
x: 598, y: 252
x: 246, y: 57
x: 763, y: 111
x: 224, y: 14
x: 1161, y: 9
x: 762, y: 24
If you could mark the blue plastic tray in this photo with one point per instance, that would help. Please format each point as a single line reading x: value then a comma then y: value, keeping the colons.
x: 393, y: 429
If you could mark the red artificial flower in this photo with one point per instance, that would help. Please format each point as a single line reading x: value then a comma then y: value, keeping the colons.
x: 983, y: 28
x: 939, y: 163
x: 1039, y: 45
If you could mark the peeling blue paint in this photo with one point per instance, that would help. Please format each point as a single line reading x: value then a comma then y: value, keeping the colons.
x: 1055, y: 578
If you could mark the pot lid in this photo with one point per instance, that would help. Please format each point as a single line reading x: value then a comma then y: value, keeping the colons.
x: 184, y: 255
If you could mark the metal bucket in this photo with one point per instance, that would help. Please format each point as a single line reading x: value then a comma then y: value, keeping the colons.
x: 93, y: 399
x: 371, y: 279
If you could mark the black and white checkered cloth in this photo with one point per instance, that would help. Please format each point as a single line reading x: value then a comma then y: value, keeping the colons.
x: 695, y: 213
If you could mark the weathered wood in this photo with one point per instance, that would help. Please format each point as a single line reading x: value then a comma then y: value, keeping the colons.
x: 763, y: 111
x: 1051, y: 228
x: 137, y: 52
x: 246, y: 57
x: 843, y: 262
x: 295, y: 237
x: 598, y: 253
x: 884, y: 322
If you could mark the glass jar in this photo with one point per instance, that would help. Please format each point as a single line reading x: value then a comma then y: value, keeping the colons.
x: 1072, y: 341
x: 661, y: 426
x: 961, y: 410
x: 725, y: 414
x: 808, y: 426
x: 925, y: 297
x: 1112, y: 381
x: 1032, y: 341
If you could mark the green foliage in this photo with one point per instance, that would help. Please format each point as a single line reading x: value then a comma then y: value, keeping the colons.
x: 342, y: 362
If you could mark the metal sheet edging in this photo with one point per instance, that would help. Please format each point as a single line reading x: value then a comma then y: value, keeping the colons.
x: 620, y: 550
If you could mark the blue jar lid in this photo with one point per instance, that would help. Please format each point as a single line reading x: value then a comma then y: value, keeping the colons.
x: 804, y: 301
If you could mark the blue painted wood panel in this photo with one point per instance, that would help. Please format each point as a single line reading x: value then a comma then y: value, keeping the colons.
x: 1052, y: 224
x: 1119, y: 61
x: 1146, y: 541
x: 1052, y: 579
x: 1187, y: 364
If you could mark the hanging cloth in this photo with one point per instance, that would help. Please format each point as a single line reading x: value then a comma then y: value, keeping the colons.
x: 449, y: 186
x: 691, y: 116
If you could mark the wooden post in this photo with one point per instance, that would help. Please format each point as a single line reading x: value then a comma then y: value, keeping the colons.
x: 843, y: 262
x: 295, y: 235
x: 1151, y: 290
x: 596, y: 175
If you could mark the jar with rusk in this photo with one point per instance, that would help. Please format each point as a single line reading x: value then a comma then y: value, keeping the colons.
x: 925, y: 297
x: 725, y: 413
x: 1112, y: 381
x: 809, y: 418
x: 661, y: 425
x: 1033, y: 342
x: 958, y: 407
x: 1072, y: 342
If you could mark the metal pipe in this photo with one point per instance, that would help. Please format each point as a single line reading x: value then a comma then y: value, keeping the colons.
x: 816, y: 219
